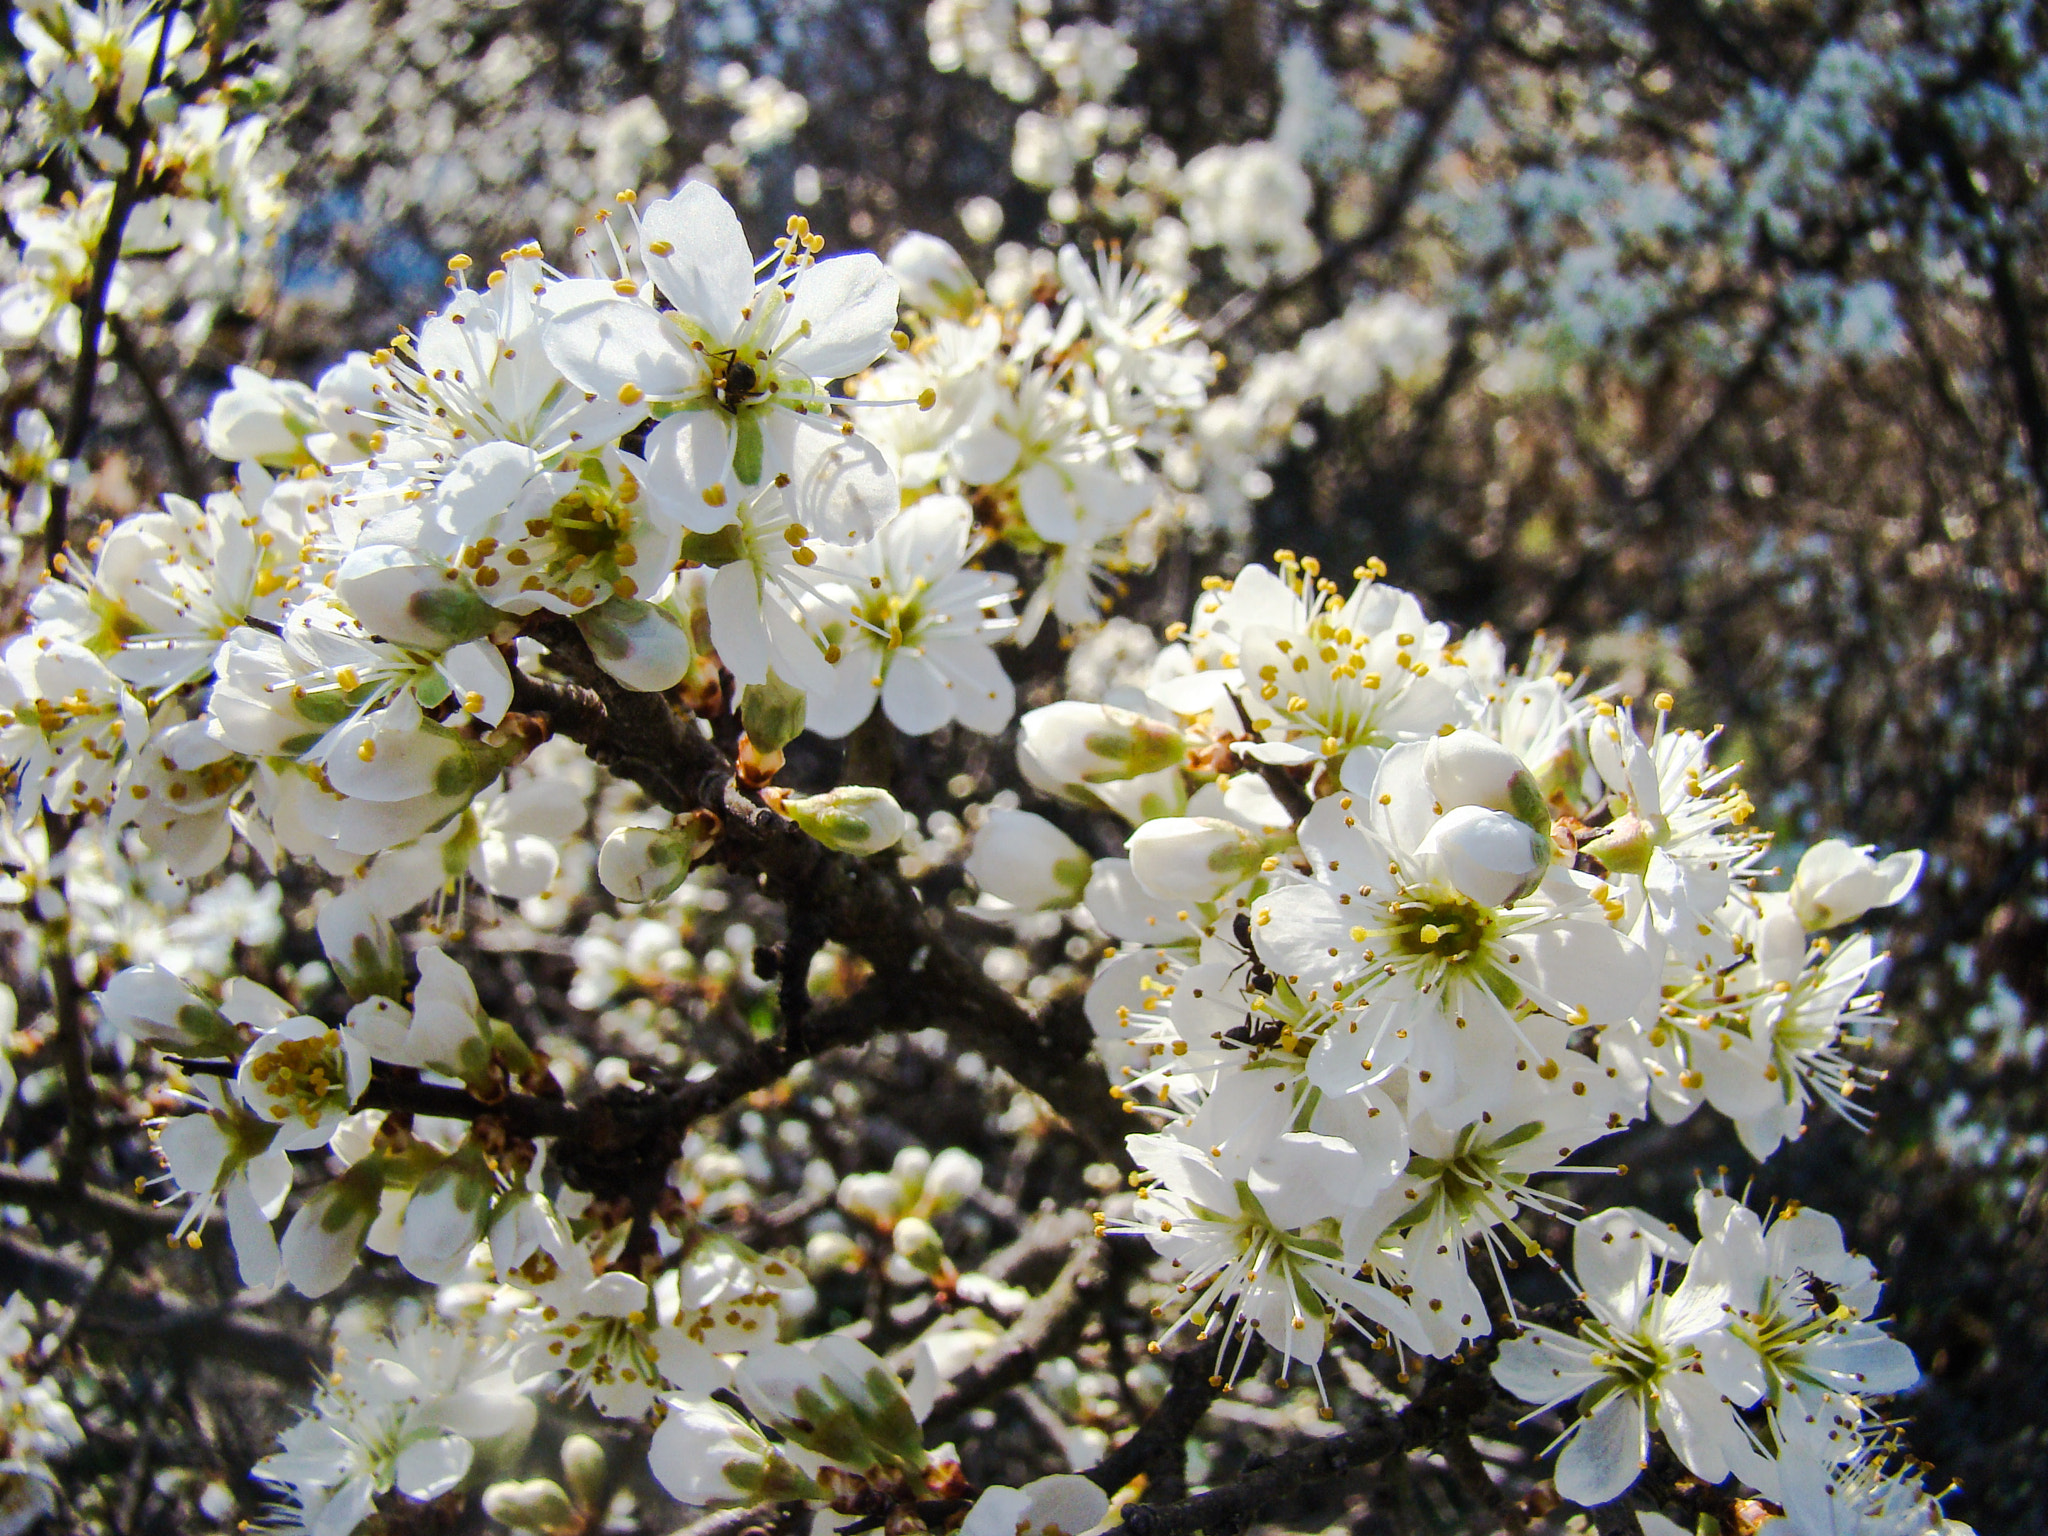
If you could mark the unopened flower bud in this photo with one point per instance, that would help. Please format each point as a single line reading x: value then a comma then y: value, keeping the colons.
x: 538, y: 1505
x: 583, y: 1464
x: 1490, y: 856
x: 1467, y: 768
x: 917, y: 1243
x: 645, y: 863
x: 773, y: 713
x: 1025, y: 860
x: 1193, y: 858
x: 1071, y: 743
x: 854, y: 818
x: 641, y: 644
x: 446, y: 1217
x: 365, y: 954
x: 1626, y: 846
x: 262, y: 419
x: 704, y: 1453
x: 828, y: 1250
x: 151, y: 1004
x: 876, y: 1197
x: 403, y: 596
x: 931, y: 276
x: 836, y: 1399
x: 908, y: 1168
x: 954, y: 1176
x: 1836, y: 884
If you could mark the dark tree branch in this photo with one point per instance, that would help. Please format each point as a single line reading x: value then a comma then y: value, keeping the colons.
x: 1459, y: 1393
x: 92, y: 313
x: 98, y: 1209
x: 1193, y: 1387
x: 862, y: 904
x: 1050, y: 1326
x: 184, y: 471
x: 156, y: 1316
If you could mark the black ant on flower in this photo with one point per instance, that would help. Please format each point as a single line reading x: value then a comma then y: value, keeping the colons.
x: 1255, y: 1033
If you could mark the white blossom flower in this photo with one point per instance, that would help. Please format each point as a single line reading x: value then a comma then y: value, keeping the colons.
x: 1802, y: 1306
x: 1061, y: 1505
x: 914, y: 626
x: 68, y: 726
x: 1837, y: 884
x: 303, y: 1076
x: 400, y: 1411
x: 744, y: 362
x: 1636, y: 1357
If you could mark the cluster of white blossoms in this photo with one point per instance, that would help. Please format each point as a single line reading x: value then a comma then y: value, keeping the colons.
x: 36, y: 1425
x: 1406, y: 929
x: 1763, y: 1360
x: 319, y: 665
x: 317, y: 662
x: 206, y: 201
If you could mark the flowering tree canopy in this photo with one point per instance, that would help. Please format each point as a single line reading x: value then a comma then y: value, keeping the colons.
x: 676, y: 855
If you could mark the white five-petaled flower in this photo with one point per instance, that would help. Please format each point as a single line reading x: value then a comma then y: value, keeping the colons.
x: 531, y: 537
x: 402, y: 1411
x: 68, y: 726
x: 1431, y: 923
x: 1637, y: 1357
x: 742, y: 360
x: 1836, y: 1474
x: 476, y: 374
x: 921, y: 628
x: 304, y: 1076
x: 1802, y: 1306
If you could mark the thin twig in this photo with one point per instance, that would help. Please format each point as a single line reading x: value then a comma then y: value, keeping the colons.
x: 156, y: 1316
x: 92, y: 314
x: 862, y: 904
x: 98, y: 1209
x: 1049, y: 1326
x: 184, y: 471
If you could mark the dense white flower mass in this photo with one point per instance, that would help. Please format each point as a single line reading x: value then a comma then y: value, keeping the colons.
x: 653, y: 570
x: 1506, y: 926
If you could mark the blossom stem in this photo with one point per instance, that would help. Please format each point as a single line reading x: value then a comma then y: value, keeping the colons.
x: 92, y: 314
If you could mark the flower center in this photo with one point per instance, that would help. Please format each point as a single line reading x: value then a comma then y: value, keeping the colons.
x: 1438, y: 925
x: 298, y: 1077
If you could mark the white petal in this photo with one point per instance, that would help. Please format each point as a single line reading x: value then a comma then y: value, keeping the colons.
x: 915, y: 697
x: 479, y: 668
x: 1612, y: 1257
x: 1606, y: 1454
x: 842, y: 487
x: 515, y: 867
x: 432, y: 1467
x: 733, y: 601
x: 1541, y: 1368
x: 1066, y: 1503
x: 709, y: 275
x: 694, y: 450
x: 850, y: 305
x: 1699, y: 1427
x: 603, y: 348
x: 249, y: 1230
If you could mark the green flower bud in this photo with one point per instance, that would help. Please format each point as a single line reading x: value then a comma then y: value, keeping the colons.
x: 854, y: 818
